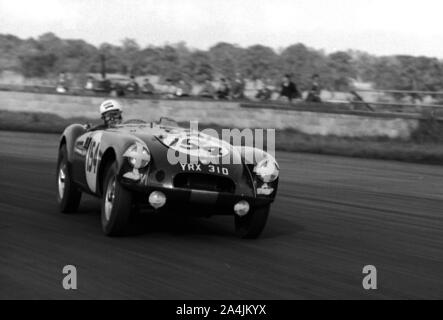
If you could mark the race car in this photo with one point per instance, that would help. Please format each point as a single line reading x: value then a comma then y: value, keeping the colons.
x: 159, y: 166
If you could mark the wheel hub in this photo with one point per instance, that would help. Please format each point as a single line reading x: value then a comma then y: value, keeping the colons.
x: 61, y: 181
x: 109, y: 198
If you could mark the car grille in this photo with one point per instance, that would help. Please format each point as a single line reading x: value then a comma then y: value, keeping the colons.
x: 207, y: 182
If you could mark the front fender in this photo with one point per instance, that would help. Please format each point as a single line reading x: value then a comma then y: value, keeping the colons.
x: 250, y: 157
x: 117, y: 142
x: 112, y: 147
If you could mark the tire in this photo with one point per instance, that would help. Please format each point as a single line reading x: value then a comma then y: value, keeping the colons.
x: 252, y: 224
x: 116, y: 204
x: 68, y: 194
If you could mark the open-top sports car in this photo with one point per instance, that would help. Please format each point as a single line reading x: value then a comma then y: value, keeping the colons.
x: 138, y: 166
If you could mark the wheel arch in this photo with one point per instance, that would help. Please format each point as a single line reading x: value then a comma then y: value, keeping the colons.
x: 107, y: 158
x: 62, y: 142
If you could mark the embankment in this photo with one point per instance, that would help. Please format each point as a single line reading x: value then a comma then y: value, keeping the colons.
x: 303, y: 118
x: 319, y: 128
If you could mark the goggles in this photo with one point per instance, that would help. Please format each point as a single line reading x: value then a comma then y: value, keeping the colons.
x: 112, y: 115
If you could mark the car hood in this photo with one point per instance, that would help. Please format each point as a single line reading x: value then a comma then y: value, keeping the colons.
x: 213, y: 156
x: 185, y: 144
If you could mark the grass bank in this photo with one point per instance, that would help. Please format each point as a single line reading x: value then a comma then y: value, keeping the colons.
x: 424, y: 146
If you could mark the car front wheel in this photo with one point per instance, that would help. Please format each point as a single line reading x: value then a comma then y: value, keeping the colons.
x: 252, y: 224
x: 116, y: 204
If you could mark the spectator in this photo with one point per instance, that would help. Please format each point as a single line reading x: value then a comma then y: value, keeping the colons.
x: 288, y: 89
x: 184, y: 89
x: 147, y: 87
x: 170, y: 89
x: 62, y: 86
x: 89, y: 83
x: 132, y: 87
x: 238, y: 87
x: 223, y: 90
x: 314, y: 92
x: 208, y: 90
x: 264, y: 92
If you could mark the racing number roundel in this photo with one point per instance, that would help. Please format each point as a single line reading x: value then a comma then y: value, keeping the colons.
x: 197, y: 145
x: 92, y: 160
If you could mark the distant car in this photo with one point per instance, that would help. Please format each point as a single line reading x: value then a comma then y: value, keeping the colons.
x: 116, y: 83
x: 129, y: 168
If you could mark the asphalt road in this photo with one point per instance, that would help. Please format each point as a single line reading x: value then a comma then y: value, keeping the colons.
x: 332, y: 216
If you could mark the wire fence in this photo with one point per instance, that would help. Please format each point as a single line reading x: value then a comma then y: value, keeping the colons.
x: 357, y: 101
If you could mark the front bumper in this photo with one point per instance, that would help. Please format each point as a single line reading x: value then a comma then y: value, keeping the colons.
x: 219, y: 203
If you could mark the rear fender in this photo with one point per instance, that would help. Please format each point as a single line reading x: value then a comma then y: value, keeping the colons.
x: 68, y: 137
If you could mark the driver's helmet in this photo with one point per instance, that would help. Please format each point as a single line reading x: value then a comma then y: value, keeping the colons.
x: 111, y: 112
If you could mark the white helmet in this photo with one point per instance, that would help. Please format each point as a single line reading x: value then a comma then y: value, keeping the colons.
x: 110, y: 105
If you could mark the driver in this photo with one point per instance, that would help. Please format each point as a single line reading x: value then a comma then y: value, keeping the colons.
x: 111, y: 113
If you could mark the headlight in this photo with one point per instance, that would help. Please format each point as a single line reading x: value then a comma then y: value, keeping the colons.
x: 138, y: 155
x: 267, y: 170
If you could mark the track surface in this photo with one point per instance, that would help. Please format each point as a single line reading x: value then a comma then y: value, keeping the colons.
x: 332, y: 216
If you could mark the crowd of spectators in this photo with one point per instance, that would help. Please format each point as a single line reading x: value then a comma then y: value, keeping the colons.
x: 223, y: 89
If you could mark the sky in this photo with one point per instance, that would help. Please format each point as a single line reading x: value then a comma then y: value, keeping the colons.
x: 381, y: 27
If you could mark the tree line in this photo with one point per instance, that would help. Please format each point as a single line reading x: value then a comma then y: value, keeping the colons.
x: 48, y: 55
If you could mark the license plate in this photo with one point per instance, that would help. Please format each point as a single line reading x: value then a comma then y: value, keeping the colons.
x: 199, y: 167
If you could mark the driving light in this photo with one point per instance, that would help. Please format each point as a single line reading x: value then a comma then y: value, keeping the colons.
x: 267, y: 170
x: 157, y: 199
x: 241, y: 208
x: 138, y: 155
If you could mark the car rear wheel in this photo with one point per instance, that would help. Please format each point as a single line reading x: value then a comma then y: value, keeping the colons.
x: 116, y: 204
x: 252, y: 224
x: 68, y: 195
